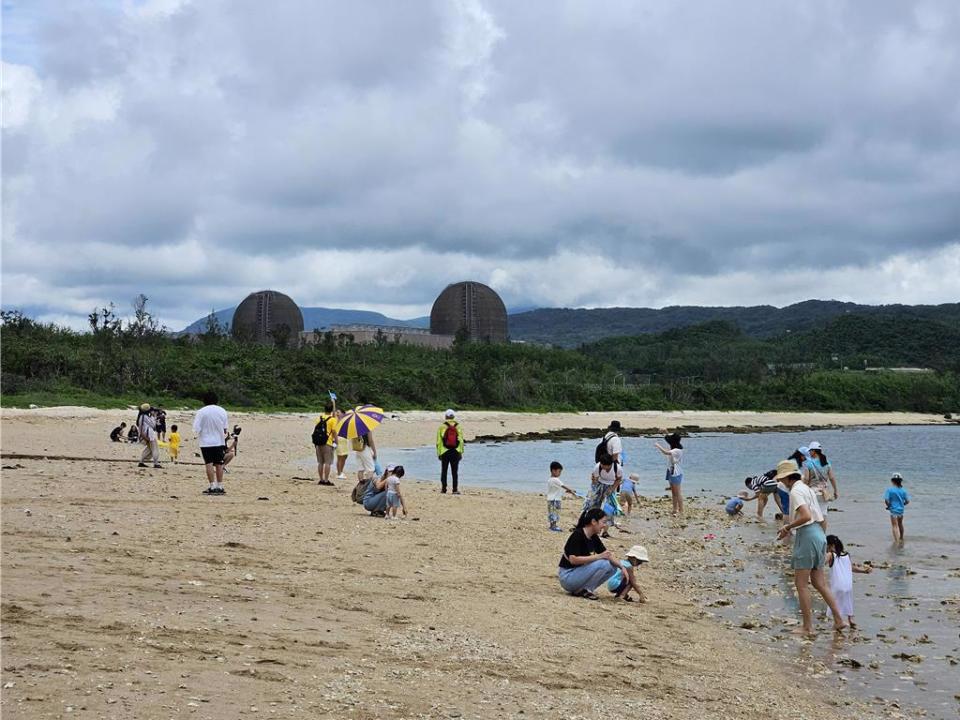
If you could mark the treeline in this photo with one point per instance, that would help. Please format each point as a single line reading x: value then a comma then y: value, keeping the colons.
x: 706, y: 367
x: 719, y: 351
x: 572, y: 327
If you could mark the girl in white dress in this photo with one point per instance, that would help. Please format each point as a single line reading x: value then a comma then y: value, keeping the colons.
x: 841, y: 576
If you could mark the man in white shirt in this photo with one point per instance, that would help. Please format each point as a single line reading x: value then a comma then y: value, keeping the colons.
x: 210, y: 424
x: 613, y: 446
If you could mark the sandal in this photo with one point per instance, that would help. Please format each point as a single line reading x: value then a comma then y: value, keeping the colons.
x: 587, y: 595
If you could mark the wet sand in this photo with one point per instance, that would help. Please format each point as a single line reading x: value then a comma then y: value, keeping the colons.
x: 126, y: 593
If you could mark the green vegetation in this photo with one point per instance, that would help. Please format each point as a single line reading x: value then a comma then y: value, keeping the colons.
x: 572, y: 327
x: 710, y: 366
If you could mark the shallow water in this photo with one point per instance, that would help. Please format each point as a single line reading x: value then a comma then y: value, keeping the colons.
x: 909, y: 604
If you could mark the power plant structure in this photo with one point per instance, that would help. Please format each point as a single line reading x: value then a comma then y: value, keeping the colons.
x: 470, y: 307
x: 268, y: 317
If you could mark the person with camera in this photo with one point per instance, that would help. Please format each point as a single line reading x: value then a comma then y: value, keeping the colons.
x: 147, y: 432
x: 211, y: 427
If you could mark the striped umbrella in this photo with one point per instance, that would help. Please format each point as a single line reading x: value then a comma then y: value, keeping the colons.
x: 359, y: 421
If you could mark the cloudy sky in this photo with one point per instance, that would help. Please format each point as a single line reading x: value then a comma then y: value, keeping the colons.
x: 582, y: 154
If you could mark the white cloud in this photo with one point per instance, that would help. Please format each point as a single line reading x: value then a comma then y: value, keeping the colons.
x: 364, y: 156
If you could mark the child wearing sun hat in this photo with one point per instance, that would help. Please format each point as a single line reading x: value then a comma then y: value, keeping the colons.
x: 625, y: 578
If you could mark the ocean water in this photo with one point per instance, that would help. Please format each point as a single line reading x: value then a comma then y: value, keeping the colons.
x: 909, y: 604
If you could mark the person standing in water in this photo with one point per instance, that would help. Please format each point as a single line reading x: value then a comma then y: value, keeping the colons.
x: 809, y: 547
x: 674, y: 456
x: 896, y: 499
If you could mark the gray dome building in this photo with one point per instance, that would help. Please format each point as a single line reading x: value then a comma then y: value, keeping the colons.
x: 471, y: 306
x: 265, y: 316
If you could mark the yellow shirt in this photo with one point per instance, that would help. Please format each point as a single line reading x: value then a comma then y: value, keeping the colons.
x: 174, y: 440
x: 331, y: 429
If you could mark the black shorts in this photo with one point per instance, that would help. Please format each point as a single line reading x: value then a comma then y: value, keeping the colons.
x: 213, y: 455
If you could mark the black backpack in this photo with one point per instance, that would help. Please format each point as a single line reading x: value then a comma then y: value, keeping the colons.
x: 602, y: 447
x: 319, y: 435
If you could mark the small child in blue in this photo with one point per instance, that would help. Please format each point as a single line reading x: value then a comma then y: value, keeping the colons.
x: 628, y: 493
x: 896, y: 500
x: 625, y: 579
x: 555, y: 491
x: 394, y: 497
x: 734, y: 505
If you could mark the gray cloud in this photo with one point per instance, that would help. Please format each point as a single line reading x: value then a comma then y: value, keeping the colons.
x: 566, y: 153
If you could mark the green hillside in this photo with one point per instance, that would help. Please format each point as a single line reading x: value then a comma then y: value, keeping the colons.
x: 572, y: 327
x: 711, y: 366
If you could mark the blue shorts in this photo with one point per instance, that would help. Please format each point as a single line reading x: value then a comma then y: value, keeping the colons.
x: 809, y: 548
x: 674, y: 479
x: 895, y: 513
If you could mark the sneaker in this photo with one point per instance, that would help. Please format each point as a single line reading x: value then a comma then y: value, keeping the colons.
x: 341, y: 476
x: 556, y: 529
x: 141, y: 464
x: 443, y: 491
x: 456, y: 492
x: 220, y: 491
x: 209, y: 491
x: 158, y: 466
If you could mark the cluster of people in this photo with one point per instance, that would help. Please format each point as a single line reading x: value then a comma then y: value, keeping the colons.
x: 217, y: 441
x: 586, y: 563
x: 802, y: 485
x: 150, y: 429
x: 330, y: 448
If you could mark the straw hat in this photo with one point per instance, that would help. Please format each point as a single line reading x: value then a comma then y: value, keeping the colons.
x: 743, y: 494
x: 786, y: 468
x: 638, y: 552
x: 144, y: 407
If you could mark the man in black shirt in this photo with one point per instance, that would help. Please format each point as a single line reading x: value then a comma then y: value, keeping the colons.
x: 117, y: 433
x: 586, y: 563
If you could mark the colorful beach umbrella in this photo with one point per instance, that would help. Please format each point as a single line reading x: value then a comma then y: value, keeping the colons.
x: 359, y: 421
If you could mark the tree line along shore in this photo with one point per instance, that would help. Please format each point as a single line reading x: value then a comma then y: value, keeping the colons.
x: 706, y: 367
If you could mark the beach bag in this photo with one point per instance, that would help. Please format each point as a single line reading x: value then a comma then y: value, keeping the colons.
x: 358, y: 443
x: 601, y: 447
x: 451, y: 438
x: 319, y: 435
x: 359, y: 490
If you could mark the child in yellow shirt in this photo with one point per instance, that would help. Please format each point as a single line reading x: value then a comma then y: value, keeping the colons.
x: 173, y: 441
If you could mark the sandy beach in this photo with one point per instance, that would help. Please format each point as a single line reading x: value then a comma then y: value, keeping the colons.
x: 126, y: 593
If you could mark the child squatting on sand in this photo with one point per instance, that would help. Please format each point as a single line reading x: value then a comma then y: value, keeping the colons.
x: 555, y: 490
x: 841, y: 577
x: 625, y: 579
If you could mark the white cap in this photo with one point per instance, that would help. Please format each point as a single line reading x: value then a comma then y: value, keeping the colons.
x: 639, y: 552
x: 449, y: 413
x: 814, y: 445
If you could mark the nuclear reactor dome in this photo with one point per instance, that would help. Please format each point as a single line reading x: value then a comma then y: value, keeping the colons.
x: 472, y: 306
x: 266, y: 316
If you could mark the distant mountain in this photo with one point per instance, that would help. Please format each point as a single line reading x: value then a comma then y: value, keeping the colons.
x: 568, y: 327
x: 319, y: 317
x: 572, y: 327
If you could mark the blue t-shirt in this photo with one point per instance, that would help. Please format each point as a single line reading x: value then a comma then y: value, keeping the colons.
x: 616, y: 580
x: 896, y: 498
x: 733, y: 506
